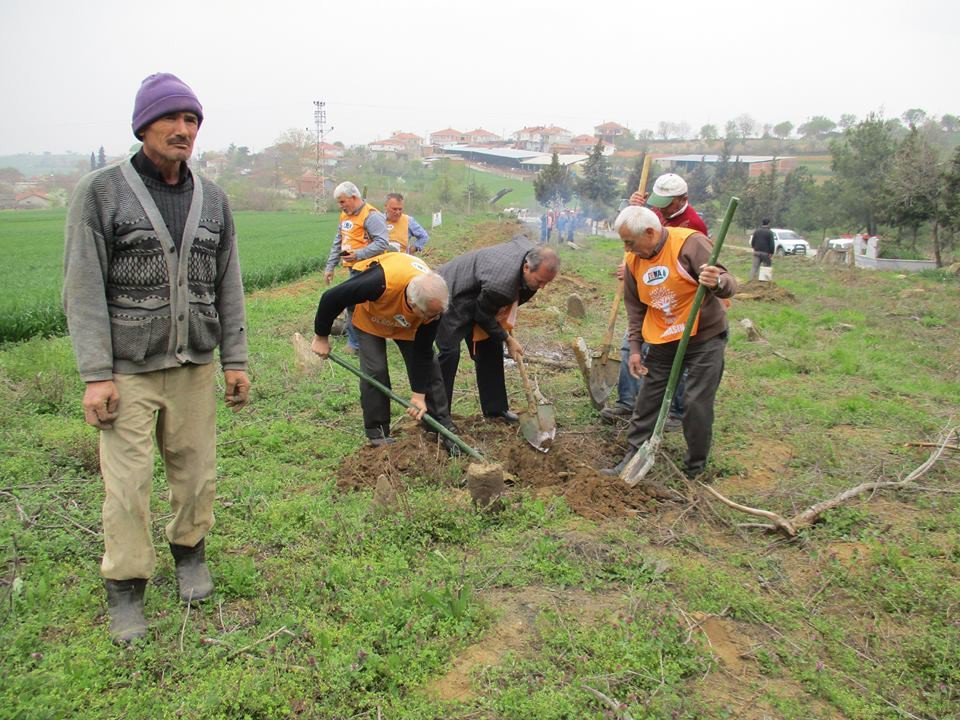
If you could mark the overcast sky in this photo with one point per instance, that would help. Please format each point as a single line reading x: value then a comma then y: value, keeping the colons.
x: 71, y: 69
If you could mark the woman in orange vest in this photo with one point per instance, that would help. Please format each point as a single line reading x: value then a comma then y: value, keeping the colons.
x: 663, y: 268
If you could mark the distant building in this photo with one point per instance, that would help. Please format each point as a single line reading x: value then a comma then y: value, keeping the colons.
x: 757, y: 164
x: 541, y: 138
x: 481, y: 137
x: 32, y: 200
x: 400, y: 143
x: 447, y: 137
x: 610, y: 131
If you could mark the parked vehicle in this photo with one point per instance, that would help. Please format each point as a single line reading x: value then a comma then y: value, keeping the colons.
x: 787, y: 242
x: 840, y: 243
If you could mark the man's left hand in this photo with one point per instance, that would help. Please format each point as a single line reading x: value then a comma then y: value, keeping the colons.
x: 418, y: 406
x: 238, y: 388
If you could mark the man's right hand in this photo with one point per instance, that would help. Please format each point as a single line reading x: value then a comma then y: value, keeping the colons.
x: 639, y: 198
x: 101, y: 404
x: 620, y: 268
x: 327, y: 276
x: 321, y: 346
x: 514, y: 348
x: 636, y: 366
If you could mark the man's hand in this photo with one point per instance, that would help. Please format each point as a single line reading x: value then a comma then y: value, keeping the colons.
x: 321, y: 345
x: 514, y: 348
x: 636, y: 367
x: 101, y: 404
x: 350, y: 257
x: 620, y: 271
x: 710, y: 276
x: 238, y: 388
x: 639, y: 198
x: 418, y: 406
x: 327, y: 276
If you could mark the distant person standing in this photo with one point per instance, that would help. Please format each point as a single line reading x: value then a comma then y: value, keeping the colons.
x: 544, y: 237
x: 406, y: 234
x: 151, y: 287
x: 571, y: 225
x: 762, y: 243
x: 361, y: 235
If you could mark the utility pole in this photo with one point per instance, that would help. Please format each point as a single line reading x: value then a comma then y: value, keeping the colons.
x: 320, y: 123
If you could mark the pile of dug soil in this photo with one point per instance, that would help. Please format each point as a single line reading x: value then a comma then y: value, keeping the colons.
x: 569, y: 469
x: 763, y: 291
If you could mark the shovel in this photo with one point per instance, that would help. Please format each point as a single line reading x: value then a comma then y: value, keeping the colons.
x: 538, y: 423
x: 646, y: 454
x: 604, y: 370
x: 427, y: 418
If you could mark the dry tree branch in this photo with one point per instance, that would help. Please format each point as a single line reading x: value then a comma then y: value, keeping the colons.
x: 618, y: 707
x: 792, y: 526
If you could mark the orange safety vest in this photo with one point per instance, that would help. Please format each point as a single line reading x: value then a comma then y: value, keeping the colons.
x: 353, y: 236
x: 506, y: 317
x: 390, y: 315
x: 666, y: 288
x: 400, y: 231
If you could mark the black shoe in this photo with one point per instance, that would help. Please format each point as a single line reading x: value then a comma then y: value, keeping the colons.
x: 453, y: 450
x: 381, y: 441
x: 618, y: 468
x: 616, y: 413
x: 193, y: 575
x: 506, y: 416
x: 125, y: 606
x: 673, y: 423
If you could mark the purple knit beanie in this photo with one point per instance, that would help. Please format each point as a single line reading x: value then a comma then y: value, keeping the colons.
x: 160, y: 94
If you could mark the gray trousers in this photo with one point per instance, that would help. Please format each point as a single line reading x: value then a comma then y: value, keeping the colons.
x: 376, y: 405
x: 760, y: 258
x: 704, y: 362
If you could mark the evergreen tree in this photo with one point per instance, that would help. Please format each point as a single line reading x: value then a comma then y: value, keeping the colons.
x: 553, y: 185
x: 862, y: 157
x: 912, y: 184
x: 93, y: 161
x: 101, y: 158
x: 949, y: 211
x: 597, y: 189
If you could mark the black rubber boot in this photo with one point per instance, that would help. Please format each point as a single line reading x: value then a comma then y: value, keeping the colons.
x: 125, y: 605
x: 193, y: 575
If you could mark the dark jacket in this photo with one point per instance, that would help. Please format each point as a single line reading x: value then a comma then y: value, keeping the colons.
x: 481, y: 282
x: 762, y: 240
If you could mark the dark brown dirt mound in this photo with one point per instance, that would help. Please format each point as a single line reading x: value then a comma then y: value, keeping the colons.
x: 764, y: 291
x: 569, y: 469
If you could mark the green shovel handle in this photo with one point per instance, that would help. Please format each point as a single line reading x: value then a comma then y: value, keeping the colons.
x: 694, y: 309
x: 427, y: 418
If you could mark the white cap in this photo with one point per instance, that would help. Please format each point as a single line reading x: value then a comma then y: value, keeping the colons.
x: 665, y: 189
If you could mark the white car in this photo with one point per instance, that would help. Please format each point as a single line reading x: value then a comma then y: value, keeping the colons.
x: 787, y: 242
x: 840, y: 243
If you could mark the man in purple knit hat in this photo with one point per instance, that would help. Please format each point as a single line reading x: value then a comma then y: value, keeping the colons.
x: 151, y: 287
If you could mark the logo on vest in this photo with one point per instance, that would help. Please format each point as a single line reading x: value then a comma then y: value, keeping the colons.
x: 346, y: 225
x: 417, y: 265
x: 656, y: 275
x: 389, y: 227
x: 401, y: 320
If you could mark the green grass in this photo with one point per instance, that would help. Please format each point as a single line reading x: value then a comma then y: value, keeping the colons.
x: 329, y: 606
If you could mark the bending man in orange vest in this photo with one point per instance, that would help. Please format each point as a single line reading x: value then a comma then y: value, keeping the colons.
x: 663, y: 267
x: 395, y: 296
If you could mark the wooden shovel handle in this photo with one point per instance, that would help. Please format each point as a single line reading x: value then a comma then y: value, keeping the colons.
x: 531, y: 400
x: 611, y: 323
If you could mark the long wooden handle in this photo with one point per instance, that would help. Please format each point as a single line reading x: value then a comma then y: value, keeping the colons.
x: 644, y: 173
x: 531, y: 400
x: 611, y: 323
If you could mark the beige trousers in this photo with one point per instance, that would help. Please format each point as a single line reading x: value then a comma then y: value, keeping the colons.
x: 179, y: 405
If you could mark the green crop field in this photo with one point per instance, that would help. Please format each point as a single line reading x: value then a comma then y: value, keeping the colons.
x: 274, y: 247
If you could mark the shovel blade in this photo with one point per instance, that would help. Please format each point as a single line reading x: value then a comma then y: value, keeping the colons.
x: 603, y: 379
x: 640, y: 463
x: 539, y: 430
